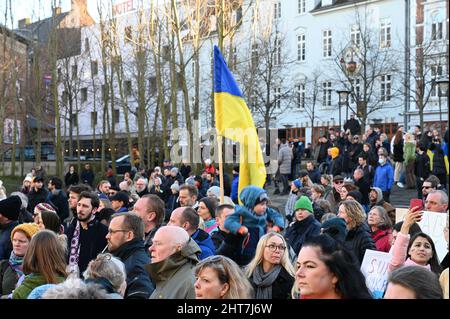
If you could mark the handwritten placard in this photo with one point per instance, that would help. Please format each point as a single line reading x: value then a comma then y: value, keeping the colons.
x: 375, y: 269
x: 433, y: 225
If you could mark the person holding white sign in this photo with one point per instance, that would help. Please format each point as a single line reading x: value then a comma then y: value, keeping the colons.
x: 417, y: 251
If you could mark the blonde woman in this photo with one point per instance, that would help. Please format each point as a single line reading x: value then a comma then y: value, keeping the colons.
x: 219, y: 277
x: 358, y: 238
x: 271, y: 272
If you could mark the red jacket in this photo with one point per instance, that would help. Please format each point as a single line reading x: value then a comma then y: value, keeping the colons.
x: 382, y: 239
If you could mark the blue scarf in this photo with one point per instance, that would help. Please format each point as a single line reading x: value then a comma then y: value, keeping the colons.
x: 15, y: 262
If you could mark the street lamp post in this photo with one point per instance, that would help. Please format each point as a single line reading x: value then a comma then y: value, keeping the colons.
x: 343, y: 97
x: 442, y: 83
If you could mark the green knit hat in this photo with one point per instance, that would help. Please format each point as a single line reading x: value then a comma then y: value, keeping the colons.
x: 304, y: 203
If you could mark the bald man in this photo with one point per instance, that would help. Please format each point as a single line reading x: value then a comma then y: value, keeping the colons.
x: 188, y: 219
x: 173, y: 246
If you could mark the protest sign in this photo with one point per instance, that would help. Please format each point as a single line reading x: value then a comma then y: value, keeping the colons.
x: 433, y: 225
x: 375, y: 269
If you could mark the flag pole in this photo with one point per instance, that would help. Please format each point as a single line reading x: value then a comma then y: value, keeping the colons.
x: 219, y: 153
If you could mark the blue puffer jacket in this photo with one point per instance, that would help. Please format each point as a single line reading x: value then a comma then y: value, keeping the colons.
x: 204, y: 241
x: 249, y: 197
x: 384, y: 177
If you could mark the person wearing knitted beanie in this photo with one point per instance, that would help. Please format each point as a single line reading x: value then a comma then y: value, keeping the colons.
x: 29, y: 229
x: 334, y: 152
x: 304, y: 226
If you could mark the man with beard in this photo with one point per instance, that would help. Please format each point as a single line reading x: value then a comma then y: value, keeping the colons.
x: 86, y: 235
x: 125, y: 241
x: 140, y: 185
x: 74, y: 192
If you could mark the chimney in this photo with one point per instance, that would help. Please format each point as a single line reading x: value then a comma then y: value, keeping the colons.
x: 56, y: 11
x: 23, y: 23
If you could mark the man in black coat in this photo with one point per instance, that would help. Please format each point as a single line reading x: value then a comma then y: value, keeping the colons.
x: 38, y: 194
x: 87, y: 175
x: 86, y: 236
x: 313, y: 172
x: 58, y: 198
x: 125, y: 241
x: 353, y: 125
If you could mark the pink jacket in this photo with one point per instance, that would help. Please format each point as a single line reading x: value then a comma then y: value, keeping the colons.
x: 399, y: 253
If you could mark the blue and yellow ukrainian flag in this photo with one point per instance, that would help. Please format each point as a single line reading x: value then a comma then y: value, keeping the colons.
x: 234, y: 121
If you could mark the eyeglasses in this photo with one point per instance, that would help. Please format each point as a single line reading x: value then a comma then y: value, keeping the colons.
x: 339, y: 182
x: 111, y: 231
x: 273, y: 247
x: 426, y: 187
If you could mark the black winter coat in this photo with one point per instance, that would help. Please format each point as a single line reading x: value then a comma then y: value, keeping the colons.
x: 398, y: 152
x: 133, y: 255
x: 281, y: 287
x: 314, y: 175
x: 231, y: 247
x: 299, y: 231
x: 71, y: 179
x: 364, y: 188
x: 358, y: 240
x: 35, y: 198
x: 353, y: 125
x: 92, y: 241
x: 422, y: 166
x: 59, y: 200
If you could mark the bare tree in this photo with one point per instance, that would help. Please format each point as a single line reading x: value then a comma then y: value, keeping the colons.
x: 365, y: 65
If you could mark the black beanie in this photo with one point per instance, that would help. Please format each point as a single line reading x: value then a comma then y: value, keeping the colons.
x: 211, y: 203
x: 10, y: 207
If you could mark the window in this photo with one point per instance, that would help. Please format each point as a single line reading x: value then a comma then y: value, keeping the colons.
x: 276, y: 10
x: 301, y: 47
x: 436, y: 31
x: 86, y: 45
x: 277, y: 97
x: 74, y: 119
x: 128, y: 89
x: 277, y: 51
x: 94, y: 68
x: 234, y: 59
x: 65, y: 97
x: 128, y: 34
x: 193, y: 68
x: 105, y: 92
x: 385, y: 34
x: 254, y: 53
x: 436, y: 72
x: 152, y: 85
x: 326, y: 36
x: 83, y: 94
x: 356, y: 88
x: 93, y: 119
x: 116, y: 116
x: 301, y: 6
x: 386, y: 87
x: 355, y: 35
x: 74, y: 71
x: 326, y: 100
x: 301, y: 95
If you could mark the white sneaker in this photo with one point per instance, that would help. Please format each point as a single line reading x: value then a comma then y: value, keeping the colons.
x: 400, y: 185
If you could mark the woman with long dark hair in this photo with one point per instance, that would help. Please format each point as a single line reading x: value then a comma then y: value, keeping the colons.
x: 326, y: 270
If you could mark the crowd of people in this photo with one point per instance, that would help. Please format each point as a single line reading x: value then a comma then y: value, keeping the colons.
x: 164, y: 234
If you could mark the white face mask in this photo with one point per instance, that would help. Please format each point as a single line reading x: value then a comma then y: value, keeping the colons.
x: 381, y: 161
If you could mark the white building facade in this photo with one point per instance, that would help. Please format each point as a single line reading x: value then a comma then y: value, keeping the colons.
x: 321, y: 38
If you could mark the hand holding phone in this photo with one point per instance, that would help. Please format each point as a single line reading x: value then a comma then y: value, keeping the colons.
x: 416, y: 202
